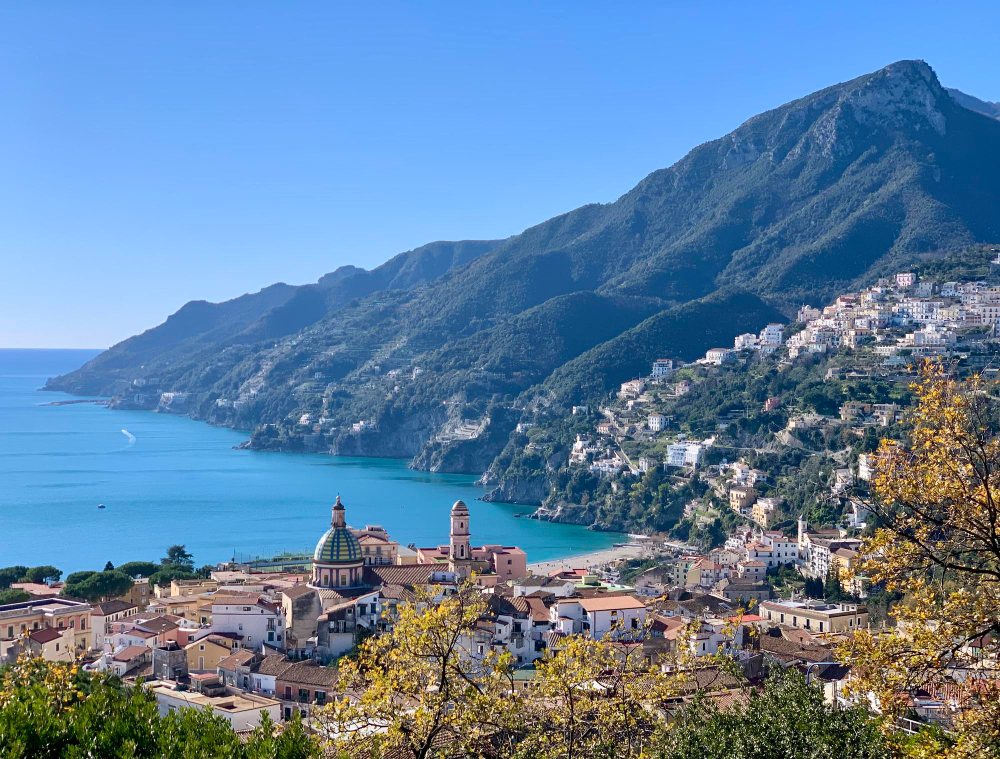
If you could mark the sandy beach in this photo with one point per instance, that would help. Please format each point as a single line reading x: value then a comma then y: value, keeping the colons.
x: 588, y: 560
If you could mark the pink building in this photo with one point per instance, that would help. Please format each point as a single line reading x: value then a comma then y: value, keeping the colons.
x: 503, y: 562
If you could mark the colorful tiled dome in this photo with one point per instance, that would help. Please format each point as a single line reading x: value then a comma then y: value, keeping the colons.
x: 338, y: 546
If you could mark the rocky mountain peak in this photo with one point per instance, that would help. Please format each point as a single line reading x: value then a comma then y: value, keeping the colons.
x: 906, y: 93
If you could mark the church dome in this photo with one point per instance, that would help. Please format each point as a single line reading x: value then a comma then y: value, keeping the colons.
x: 338, y: 544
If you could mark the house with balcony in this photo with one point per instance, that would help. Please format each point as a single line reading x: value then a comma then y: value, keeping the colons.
x: 619, y: 616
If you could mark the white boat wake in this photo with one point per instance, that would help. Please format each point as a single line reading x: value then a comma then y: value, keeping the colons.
x: 130, y: 436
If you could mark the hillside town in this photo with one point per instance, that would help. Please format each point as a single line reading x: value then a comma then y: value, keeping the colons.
x: 870, y: 338
x: 259, y: 637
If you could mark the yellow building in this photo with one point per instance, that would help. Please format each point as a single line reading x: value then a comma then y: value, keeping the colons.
x: 205, y: 654
x: 183, y: 588
x: 18, y: 619
x: 185, y: 606
x: 816, y: 616
x: 139, y: 594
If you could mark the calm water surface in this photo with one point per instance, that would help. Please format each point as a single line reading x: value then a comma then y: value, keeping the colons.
x: 181, y: 482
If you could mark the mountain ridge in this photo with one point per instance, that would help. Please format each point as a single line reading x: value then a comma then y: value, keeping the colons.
x: 796, y: 204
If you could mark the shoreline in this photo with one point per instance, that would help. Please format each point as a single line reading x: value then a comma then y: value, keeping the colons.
x: 590, y: 560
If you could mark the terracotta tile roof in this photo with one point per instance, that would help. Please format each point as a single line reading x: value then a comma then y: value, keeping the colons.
x: 538, y: 610
x: 46, y: 635
x: 158, y: 625
x: 135, y: 632
x: 789, y: 651
x: 271, y: 665
x: 297, y: 591
x: 130, y: 653
x: 236, y: 659
x: 330, y: 596
x: 400, y: 574
x: 143, y: 669
x: 112, y: 607
x: 342, y: 604
x: 398, y: 593
x: 309, y: 673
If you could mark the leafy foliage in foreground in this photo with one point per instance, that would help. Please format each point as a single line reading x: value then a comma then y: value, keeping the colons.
x: 787, y: 719
x: 588, y: 699
x: 936, y: 499
x: 57, y: 711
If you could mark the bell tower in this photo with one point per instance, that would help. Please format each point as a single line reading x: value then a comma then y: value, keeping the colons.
x: 460, y: 553
x: 337, y: 517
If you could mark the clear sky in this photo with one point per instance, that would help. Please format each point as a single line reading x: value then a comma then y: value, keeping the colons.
x: 153, y: 153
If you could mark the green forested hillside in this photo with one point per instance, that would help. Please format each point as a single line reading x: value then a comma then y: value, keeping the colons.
x: 797, y: 204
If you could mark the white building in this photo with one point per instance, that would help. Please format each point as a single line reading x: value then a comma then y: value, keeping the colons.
x: 106, y: 613
x: 662, y: 367
x: 241, y: 710
x: 719, y: 356
x: 621, y: 616
x: 784, y: 550
x: 742, y: 342
x: 632, y: 389
x: 656, y: 422
x: 772, y: 335
x: 258, y: 620
x: 684, y: 454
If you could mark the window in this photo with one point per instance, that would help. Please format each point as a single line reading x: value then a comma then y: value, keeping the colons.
x: 240, y: 627
x: 201, y: 647
x: 320, y: 697
x: 10, y: 631
x: 72, y: 624
x: 246, y: 608
x: 303, y: 695
x: 83, y: 623
x: 57, y: 646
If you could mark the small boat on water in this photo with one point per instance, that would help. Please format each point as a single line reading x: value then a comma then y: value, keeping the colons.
x: 100, y: 505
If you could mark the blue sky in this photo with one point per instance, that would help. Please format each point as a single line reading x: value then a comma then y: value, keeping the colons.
x: 154, y: 153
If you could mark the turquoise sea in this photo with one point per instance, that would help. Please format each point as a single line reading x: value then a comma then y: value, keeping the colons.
x: 180, y: 481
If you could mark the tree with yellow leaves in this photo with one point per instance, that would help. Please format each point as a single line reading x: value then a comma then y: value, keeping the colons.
x: 424, y: 689
x: 598, y: 698
x: 936, y: 499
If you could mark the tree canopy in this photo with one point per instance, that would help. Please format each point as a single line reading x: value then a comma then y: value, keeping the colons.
x: 52, y: 710
x: 936, y: 498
